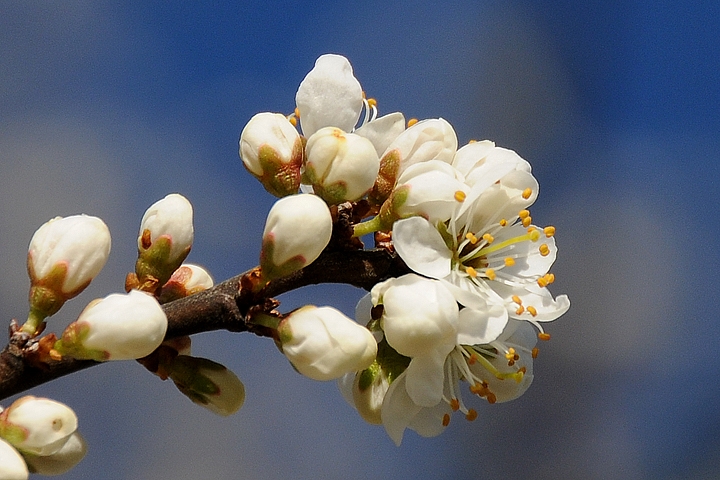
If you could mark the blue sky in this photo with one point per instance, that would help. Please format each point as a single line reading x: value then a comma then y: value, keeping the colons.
x: 104, y: 110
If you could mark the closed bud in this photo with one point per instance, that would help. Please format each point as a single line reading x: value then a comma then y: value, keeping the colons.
x: 36, y: 425
x: 340, y: 166
x: 329, y: 96
x: 297, y: 230
x: 272, y: 150
x: 165, y: 239
x: 323, y: 344
x: 208, y: 384
x: 185, y: 281
x: 117, y: 327
x: 65, y: 254
x: 61, y: 461
x: 12, y: 464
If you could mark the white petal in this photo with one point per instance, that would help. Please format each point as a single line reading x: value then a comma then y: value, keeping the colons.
x: 541, y: 299
x: 529, y: 263
x: 329, y: 96
x: 425, y: 378
x: 422, y: 247
x: 383, y: 130
x: 479, y: 326
x: 398, y: 410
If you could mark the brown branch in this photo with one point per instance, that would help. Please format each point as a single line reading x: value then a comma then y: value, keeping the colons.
x: 223, y: 307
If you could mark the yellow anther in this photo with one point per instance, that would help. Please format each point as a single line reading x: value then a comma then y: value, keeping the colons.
x: 297, y: 112
x: 526, y: 193
x: 372, y: 102
x: 526, y: 221
x: 472, y: 141
x: 542, y: 282
x: 550, y: 277
x: 524, y: 213
x: 544, y: 250
x: 446, y: 420
x: 293, y: 121
x: 517, y: 299
x: 519, y: 310
x: 412, y: 122
x: 460, y: 196
x: 491, y: 398
x: 490, y: 273
x: 488, y: 238
x: 544, y: 336
x: 454, y: 404
x: 509, y: 261
x: 472, y: 359
x: 470, y: 236
x: 510, y: 355
x: 471, y: 415
x: 534, y: 235
x: 535, y: 352
x: 531, y: 310
x: 549, y: 231
x: 503, y: 222
x: 471, y: 271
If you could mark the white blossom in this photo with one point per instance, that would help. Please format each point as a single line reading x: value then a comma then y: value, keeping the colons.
x: 37, y: 425
x: 12, y: 464
x: 340, y: 166
x: 186, y: 280
x: 61, y: 461
x: 323, y: 344
x: 297, y: 229
x: 171, y: 219
x: 117, y: 327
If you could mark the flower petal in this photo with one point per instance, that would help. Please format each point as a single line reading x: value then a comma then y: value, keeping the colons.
x: 422, y: 247
x: 481, y: 325
x: 425, y: 377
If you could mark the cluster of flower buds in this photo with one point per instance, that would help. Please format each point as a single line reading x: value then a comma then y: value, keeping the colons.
x: 38, y: 435
x: 458, y: 218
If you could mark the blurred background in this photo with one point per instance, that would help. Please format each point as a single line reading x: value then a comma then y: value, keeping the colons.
x: 106, y: 109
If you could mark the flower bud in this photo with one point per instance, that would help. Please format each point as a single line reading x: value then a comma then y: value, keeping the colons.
x: 65, y: 254
x: 329, y: 96
x: 165, y: 239
x: 271, y: 149
x: 297, y: 230
x: 185, y: 281
x: 37, y: 425
x: 432, y: 139
x: 324, y: 344
x: 61, y: 461
x: 12, y: 464
x: 340, y: 166
x: 208, y: 384
x: 117, y: 327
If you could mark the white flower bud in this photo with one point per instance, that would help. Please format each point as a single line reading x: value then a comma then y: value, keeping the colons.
x: 208, y: 384
x: 65, y: 254
x: 340, y: 166
x: 12, y: 464
x: 324, y: 344
x: 419, y: 315
x: 61, y: 461
x: 165, y: 239
x: 117, y: 327
x: 185, y: 281
x: 432, y: 139
x: 271, y: 149
x: 37, y: 425
x: 329, y: 96
x: 297, y: 230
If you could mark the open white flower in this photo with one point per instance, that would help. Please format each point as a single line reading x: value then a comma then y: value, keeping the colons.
x: 489, y: 252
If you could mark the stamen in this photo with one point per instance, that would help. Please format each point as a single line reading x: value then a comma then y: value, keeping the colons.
x: 544, y: 250
x: 293, y: 121
x: 471, y: 271
x: 519, y: 310
x: 472, y: 141
x: 517, y: 299
x: 460, y: 196
x: 412, y: 122
x: 549, y: 231
x: 471, y: 415
x: 509, y: 261
x: 372, y: 102
x: 524, y: 213
x: 454, y: 404
x: 297, y: 112
x: 544, y: 336
x: 470, y: 236
x: 503, y: 222
x: 446, y: 420
x: 526, y: 221
x: 488, y: 238
x: 490, y: 273
x: 535, y: 352
x: 532, y: 311
x: 534, y: 235
x: 526, y: 193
